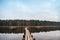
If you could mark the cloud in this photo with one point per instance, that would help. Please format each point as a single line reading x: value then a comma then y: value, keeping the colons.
x: 20, y: 10
x: 15, y: 10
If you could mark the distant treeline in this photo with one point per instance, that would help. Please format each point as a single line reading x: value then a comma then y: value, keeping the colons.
x: 28, y: 23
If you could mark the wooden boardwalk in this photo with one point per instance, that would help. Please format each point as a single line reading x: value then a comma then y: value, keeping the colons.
x: 27, y: 35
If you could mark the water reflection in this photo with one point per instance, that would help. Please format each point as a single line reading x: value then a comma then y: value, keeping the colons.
x: 11, y: 36
x: 52, y: 35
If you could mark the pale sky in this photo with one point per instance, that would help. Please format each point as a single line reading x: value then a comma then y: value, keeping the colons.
x: 30, y: 9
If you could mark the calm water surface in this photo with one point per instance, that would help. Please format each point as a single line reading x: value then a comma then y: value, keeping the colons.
x: 52, y: 35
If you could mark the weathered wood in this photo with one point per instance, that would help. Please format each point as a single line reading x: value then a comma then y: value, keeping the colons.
x: 27, y: 35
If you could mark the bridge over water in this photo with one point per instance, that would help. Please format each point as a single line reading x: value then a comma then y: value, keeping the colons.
x: 27, y: 35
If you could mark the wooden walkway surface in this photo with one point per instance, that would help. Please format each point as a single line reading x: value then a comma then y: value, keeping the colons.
x: 28, y: 35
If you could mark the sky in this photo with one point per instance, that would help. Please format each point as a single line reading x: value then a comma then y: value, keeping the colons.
x: 30, y: 9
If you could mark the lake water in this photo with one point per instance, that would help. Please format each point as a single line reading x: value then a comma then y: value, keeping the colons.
x: 52, y: 35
